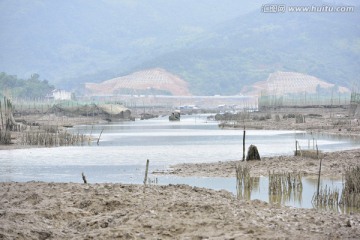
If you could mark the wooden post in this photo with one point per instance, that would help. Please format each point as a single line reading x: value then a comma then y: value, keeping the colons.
x: 146, y: 171
x: 244, y: 133
x: 99, y: 137
x: 296, y: 144
x: 2, y: 122
x: 318, y: 185
x: 146, y: 174
x: 83, y: 177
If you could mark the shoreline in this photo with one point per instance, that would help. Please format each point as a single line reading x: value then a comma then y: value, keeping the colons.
x: 333, y: 165
x: 60, y: 123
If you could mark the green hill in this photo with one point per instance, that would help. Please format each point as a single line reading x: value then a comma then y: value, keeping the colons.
x: 75, y: 41
x: 216, y: 48
x: 248, y: 49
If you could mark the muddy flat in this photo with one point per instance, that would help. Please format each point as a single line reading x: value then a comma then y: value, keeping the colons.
x: 37, y: 210
x: 334, y: 164
x: 114, y: 211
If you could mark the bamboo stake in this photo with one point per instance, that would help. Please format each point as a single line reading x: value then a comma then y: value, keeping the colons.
x: 318, y: 185
x: 146, y: 171
x: 84, y: 177
x: 2, y: 121
x: 146, y: 174
x: 99, y: 136
x: 244, y: 134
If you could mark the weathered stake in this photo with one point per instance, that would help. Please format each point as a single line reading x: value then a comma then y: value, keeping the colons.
x: 244, y: 144
x: 146, y: 171
x: 146, y: 174
x: 83, y: 177
x: 99, y: 136
x: 318, y: 185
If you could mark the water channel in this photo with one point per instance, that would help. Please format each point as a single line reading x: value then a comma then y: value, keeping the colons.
x: 124, y: 147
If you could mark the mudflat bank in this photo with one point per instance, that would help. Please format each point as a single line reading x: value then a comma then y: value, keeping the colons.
x: 337, y: 121
x: 36, y: 210
x: 46, y: 125
x: 333, y: 165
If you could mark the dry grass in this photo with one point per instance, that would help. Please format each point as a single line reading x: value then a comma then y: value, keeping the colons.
x: 50, y: 139
x: 350, y: 196
x: 284, y: 186
x: 327, y: 198
x: 245, y: 183
x: 312, y: 154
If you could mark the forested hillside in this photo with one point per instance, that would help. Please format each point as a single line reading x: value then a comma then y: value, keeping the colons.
x: 251, y: 47
x: 216, y: 48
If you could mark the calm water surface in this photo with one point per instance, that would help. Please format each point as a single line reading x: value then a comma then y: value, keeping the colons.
x: 124, y: 148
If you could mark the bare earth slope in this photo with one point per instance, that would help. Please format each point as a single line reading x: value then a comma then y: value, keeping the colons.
x: 156, y: 78
x: 280, y: 83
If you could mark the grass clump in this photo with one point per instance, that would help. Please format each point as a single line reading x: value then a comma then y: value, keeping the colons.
x: 284, y: 186
x: 245, y: 183
x: 350, y: 196
x: 327, y: 198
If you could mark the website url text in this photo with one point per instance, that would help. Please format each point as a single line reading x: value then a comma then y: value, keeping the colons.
x: 282, y: 8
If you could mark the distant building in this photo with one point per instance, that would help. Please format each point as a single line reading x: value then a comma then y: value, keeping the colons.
x: 58, y: 94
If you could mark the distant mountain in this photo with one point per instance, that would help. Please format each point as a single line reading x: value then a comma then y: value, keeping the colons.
x: 152, y: 81
x: 249, y: 48
x: 216, y: 47
x: 70, y: 42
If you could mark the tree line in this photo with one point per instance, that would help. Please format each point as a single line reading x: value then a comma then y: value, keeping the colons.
x: 33, y: 87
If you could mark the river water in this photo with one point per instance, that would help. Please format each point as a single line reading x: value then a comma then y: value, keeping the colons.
x: 124, y: 147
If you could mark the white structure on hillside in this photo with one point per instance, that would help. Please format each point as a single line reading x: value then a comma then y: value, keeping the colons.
x: 61, y: 95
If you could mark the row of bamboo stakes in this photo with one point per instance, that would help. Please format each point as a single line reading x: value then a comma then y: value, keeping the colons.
x: 49, y: 139
x: 283, y: 186
x: 47, y: 136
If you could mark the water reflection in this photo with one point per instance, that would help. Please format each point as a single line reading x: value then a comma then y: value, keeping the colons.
x: 284, y: 187
x: 263, y: 188
x: 302, y: 198
x: 253, y: 185
x: 291, y: 195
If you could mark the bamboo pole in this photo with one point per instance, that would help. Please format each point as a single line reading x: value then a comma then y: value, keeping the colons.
x: 2, y: 121
x: 146, y: 174
x: 244, y: 134
x: 146, y: 171
x: 99, y: 136
x: 84, y: 177
x: 318, y: 185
